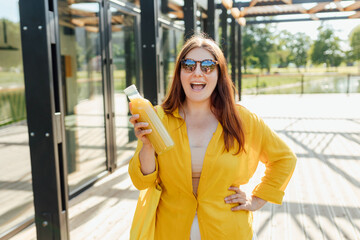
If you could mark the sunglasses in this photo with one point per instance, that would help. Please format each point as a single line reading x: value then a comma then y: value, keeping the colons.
x: 206, y: 65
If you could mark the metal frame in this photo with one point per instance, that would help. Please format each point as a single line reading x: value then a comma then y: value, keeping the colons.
x: 172, y: 28
x: 150, y: 55
x: 223, y: 24
x: 41, y: 59
x: 295, y: 20
x: 210, y: 28
x: 108, y: 90
x: 234, y: 50
x: 189, y: 18
x: 239, y: 38
x: 108, y: 78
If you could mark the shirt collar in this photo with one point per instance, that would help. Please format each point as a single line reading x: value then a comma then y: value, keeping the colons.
x: 176, y: 114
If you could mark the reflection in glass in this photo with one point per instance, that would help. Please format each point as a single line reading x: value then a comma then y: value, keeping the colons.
x: 124, y: 74
x: 171, y: 45
x: 83, y: 90
x: 16, y: 196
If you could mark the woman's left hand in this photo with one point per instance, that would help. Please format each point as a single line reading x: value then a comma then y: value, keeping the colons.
x: 248, y: 203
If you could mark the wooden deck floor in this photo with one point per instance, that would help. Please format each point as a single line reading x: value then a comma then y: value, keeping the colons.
x: 322, y: 200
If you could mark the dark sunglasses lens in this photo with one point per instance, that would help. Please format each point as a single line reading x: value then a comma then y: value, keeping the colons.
x: 207, y: 66
x: 189, y: 65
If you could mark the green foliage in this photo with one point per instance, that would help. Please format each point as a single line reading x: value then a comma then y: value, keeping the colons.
x: 257, y: 41
x: 12, y: 106
x: 355, y: 42
x: 299, y: 48
x: 283, y: 48
x: 10, y: 55
x: 326, y: 48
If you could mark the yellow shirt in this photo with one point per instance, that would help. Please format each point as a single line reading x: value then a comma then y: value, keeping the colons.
x: 221, y: 169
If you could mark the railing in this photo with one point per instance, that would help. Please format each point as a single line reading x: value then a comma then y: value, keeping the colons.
x: 301, y: 83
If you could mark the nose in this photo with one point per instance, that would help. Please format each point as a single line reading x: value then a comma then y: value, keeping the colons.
x: 198, y: 71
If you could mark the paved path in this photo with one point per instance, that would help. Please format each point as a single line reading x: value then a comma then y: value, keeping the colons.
x: 322, y: 200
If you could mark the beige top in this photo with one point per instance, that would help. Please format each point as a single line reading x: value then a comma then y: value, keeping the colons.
x: 197, y: 159
x: 200, y: 130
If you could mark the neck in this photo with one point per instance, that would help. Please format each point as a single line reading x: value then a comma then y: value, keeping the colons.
x: 197, y: 108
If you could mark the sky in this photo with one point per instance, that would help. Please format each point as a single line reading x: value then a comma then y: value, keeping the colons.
x: 342, y: 28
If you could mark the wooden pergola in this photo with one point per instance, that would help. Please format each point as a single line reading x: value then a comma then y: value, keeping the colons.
x: 246, y: 12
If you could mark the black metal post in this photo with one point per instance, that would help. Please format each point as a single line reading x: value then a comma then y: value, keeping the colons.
x: 239, y: 60
x: 348, y: 84
x: 223, y: 40
x: 233, y: 52
x: 210, y: 29
x: 257, y: 84
x: 150, y: 55
x: 302, y: 84
x: 189, y: 18
x: 41, y: 61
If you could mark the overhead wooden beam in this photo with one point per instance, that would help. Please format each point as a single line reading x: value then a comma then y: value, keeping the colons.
x: 253, y: 2
x: 235, y: 12
x: 313, y: 17
x: 179, y: 15
x: 338, y: 5
x: 174, y: 6
x: 117, y: 19
x: 241, y: 21
x: 82, y: 13
x: 287, y: 1
x: 66, y: 24
x: 227, y: 4
x: 301, y: 9
x: 176, y: 10
x: 353, y: 6
x: 241, y: 4
x: 243, y: 12
x: 317, y: 8
x: 356, y: 15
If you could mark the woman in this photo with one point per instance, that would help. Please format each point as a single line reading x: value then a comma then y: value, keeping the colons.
x: 218, y: 145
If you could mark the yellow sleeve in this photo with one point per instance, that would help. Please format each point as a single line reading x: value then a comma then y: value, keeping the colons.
x: 140, y: 180
x: 279, y: 160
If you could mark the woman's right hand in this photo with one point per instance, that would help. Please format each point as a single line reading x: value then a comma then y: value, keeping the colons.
x: 140, y: 132
x: 147, y: 152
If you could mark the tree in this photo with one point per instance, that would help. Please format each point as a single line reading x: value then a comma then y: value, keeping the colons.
x: 299, y: 49
x: 283, y: 42
x: 248, y: 47
x: 355, y: 44
x: 263, y: 45
x: 257, y: 43
x: 326, y: 49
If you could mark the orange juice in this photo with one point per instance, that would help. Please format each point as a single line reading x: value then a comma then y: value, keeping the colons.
x: 159, y: 137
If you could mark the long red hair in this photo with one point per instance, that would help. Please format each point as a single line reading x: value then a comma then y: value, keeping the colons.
x: 222, y: 99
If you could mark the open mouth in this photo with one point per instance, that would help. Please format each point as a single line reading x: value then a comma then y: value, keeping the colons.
x: 197, y: 86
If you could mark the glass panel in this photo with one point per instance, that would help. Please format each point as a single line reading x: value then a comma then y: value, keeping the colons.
x: 124, y: 54
x: 83, y: 90
x: 16, y: 196
x: 169, y: 51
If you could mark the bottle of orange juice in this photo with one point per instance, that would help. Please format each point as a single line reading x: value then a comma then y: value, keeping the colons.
x: 159, y: 137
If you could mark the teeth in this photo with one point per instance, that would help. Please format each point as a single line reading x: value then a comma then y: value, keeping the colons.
x: 198, y: 86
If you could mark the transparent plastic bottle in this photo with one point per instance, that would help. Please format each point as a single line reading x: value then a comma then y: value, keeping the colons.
x: 159, y: 137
